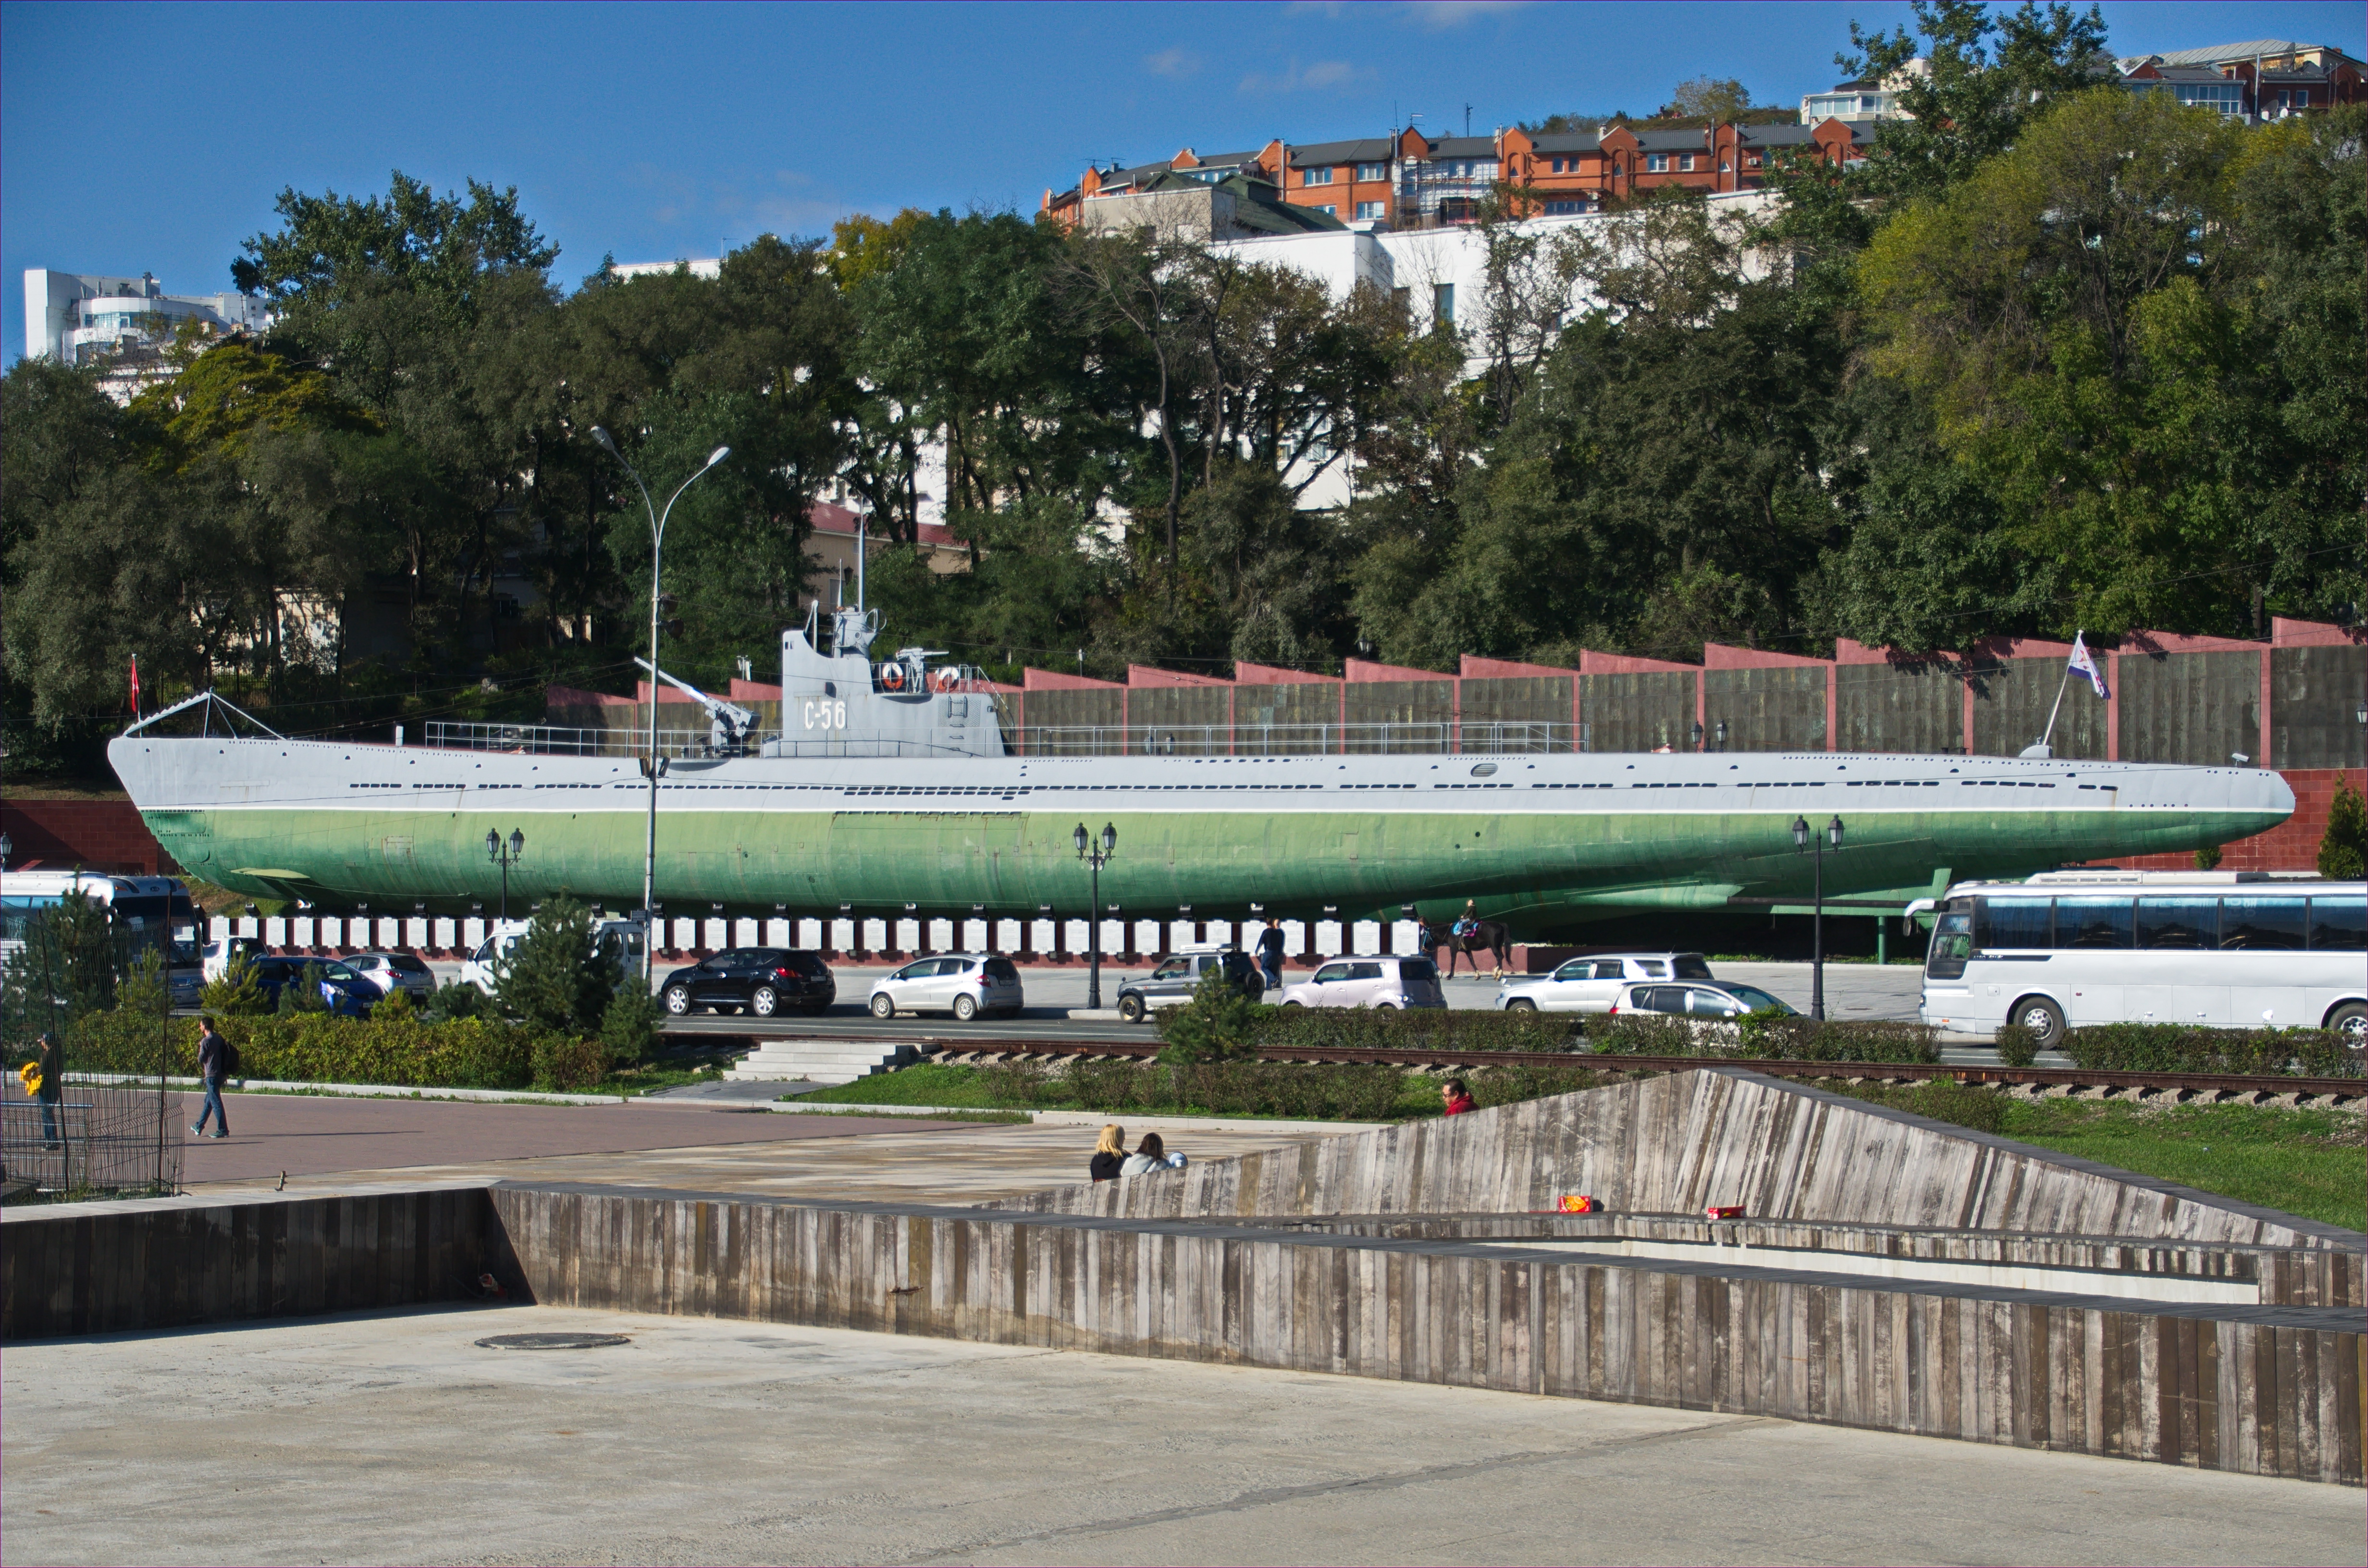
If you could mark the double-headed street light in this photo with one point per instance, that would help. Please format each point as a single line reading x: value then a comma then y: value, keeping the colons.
x: 1096, y: 854
x: 650, y: 764
x: 1816, y: 843
x: 505, y: 855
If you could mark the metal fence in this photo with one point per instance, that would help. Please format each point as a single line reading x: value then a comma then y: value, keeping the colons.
x: 1408, y: 737
x: 99, y: 1121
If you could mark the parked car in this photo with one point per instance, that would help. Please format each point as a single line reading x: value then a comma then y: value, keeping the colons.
x: 761, y: 981
x: 1726, y: 1000
x: 347, y: 994
x: 964, y: 985
x: 1592, y: 984
x: 1368, y: 983
x: 214, y: 957
x: 387, y: 970
x: 1179, y: 974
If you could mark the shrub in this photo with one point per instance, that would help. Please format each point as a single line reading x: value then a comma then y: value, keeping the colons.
x: 1220, y: 1021
x: 1369, y: 1029
x: 454, y: 1000
x: 558, y: 978
x: 238, y: 994
x: 628, y: 1029
x: 2343, y: 850
x: 319, y: 1048
x: 2017, y: 1046
x: 565, y: 1065
x: 2178, y: 1048
x: 302, y: 995
x: 145, y: 988
x: 1768, y: 1037
x: 1325, y: 1091
x: 395, y: 1004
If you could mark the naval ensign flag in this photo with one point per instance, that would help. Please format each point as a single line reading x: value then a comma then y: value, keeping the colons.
x: 2084, y: 664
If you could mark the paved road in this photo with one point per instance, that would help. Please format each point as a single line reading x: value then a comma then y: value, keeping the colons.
x: 393, y: 1438
x: 306, y: 1135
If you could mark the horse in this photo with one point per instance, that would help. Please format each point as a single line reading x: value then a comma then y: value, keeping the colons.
x: 1489, y: 934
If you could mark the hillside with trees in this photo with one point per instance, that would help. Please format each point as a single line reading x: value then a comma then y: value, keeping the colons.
x: 2055, y: 356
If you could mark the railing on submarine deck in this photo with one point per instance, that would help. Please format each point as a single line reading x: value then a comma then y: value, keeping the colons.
x: 1385, y: 738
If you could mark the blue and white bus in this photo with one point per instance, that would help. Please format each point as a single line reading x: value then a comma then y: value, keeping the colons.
x: 154, y: 911
x: 2219, y: 950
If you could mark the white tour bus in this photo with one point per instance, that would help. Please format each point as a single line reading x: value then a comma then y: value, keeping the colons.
x: 2236, y: 949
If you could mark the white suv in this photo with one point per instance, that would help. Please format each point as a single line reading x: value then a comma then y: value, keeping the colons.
x: 1592, y: 984
x: 964, y: 985
x: 1368, y: 983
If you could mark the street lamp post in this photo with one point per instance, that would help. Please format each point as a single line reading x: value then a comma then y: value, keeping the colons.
x: 1815, y: 843
x: 650, y: 762
x: 1096, y: 854
x: 505, y: 855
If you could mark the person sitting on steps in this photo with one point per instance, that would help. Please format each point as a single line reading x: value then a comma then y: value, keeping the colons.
x: 1151, y: 1154
x: 1110, y: 1154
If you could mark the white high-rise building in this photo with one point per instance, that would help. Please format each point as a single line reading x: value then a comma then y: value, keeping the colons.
x: 77, y: 318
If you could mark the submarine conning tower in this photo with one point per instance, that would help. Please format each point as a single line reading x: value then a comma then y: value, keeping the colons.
x: 843, y: 703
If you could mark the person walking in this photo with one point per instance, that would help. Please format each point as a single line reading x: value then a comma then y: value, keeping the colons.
x: 1270, y: 953
x: 1110, y: 1154
x: 213, y: 1066
x: 52, y: 1065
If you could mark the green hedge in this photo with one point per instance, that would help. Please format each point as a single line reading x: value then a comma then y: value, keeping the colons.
x: 315, y: 1048
x: 2177, y: 1048
x: 1761, y: 1036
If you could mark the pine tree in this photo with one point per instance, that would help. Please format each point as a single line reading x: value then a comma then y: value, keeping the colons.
x: 558, y: 978
x: 2344, y: 852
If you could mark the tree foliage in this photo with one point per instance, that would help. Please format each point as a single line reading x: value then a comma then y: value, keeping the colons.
x: 2054, y: 355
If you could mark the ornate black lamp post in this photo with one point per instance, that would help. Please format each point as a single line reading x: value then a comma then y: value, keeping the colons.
x: 1096, y: 856
x: 505, y: 855
x: 1816, y: 844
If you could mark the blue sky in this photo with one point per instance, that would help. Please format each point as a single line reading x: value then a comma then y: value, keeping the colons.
x: 155, y: 138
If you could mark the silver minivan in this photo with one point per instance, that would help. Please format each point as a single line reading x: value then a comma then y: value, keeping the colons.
x: 964, y: 985
x: 1592, y: 984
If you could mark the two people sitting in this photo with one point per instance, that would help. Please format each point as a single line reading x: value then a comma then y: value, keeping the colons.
x: 1112, y: 1160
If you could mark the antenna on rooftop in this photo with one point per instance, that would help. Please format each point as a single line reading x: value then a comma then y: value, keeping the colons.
x: 1467, y: 120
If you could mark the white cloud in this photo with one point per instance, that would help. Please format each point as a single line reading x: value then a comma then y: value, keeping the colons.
x: 1177, y: 62
x: 1439, y: 16
x: 1321, y: 76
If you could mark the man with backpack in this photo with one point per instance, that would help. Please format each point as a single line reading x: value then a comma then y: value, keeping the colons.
x: 215, y: 1060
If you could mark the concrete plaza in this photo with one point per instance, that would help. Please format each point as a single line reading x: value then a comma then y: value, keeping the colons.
x: 393, y: 1438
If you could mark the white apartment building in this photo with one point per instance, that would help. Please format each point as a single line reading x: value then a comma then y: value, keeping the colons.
x: 1439, y: 275
x: 79, y: 318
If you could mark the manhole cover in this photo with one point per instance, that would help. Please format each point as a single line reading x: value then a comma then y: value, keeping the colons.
x: 552, y: 1340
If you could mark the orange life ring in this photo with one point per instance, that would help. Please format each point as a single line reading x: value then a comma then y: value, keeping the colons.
x: 945, y: 680
x: 892, y: 677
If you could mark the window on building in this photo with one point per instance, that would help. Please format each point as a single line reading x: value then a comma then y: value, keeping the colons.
x: 1751, y: 160
x: 1317, y: 176
x: 1564, y: 209
x: 1329, y: 211
x: 1656, y: 162
x: 1403, y: 299
x: 1443, y: 303
x: 1724, y: 168
x: 1686, y: 163
x: 1374, y: 210
x: 1557, y: 166
x: 1372, y: 171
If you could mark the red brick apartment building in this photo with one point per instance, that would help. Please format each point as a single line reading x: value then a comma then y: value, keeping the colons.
x: 1413, y: 181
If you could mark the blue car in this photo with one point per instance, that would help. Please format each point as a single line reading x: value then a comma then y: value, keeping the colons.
x: 348, y: 995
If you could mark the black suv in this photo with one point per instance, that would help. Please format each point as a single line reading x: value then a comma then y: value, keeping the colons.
x: 762, y: 980
x: 1173, y: 982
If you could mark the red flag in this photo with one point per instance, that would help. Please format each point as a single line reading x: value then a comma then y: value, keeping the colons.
x: 135, y: 686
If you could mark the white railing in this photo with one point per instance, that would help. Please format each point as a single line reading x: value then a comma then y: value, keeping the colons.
x: 1428, y: 737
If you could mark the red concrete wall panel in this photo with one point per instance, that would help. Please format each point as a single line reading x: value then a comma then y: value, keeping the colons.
x: 97, y: 835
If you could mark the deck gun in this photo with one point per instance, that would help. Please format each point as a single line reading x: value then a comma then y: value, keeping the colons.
x: 730, y: 725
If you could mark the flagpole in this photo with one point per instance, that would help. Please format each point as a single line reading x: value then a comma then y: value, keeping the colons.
x: 2061, y: 686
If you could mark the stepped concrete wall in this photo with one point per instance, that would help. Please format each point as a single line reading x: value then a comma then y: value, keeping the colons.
x: 1685, y: 1142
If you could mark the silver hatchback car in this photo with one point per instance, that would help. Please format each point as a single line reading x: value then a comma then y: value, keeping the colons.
x: 964, y: 985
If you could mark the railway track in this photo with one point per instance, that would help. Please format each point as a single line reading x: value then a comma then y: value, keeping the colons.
x: 942, y: 1046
